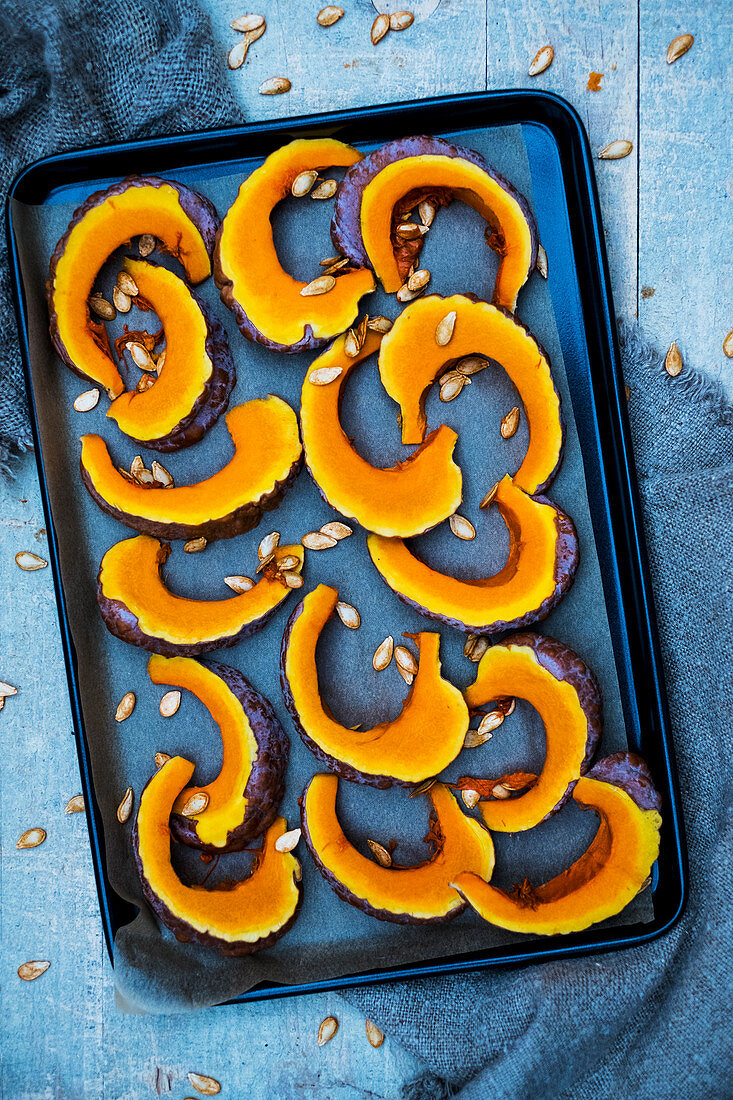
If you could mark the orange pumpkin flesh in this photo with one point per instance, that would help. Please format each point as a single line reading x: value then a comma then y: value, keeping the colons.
x: 265, y: 299
x: 405, y: 499
x: 543, y: 558
x: 424, y: 738
x: 138, y: 608
x: 178, y: 408
x: 410, y: 360
x: 244, y: 797
x: 403, y: 895
x: 237, y: 919
x: 597, y: 886
x: 179, y: 218
x: 267, y: 455
x: 565, y: 693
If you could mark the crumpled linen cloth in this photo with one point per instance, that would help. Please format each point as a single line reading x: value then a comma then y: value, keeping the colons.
x: 76, y: 73
x: 649, y: 1022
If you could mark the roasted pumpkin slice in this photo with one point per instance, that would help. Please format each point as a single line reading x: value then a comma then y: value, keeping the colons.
x: 566, y: 695
x: 379, y: 192
x: 271, y: 307
x: 243, y: 799
x: 267, y: 456
x: 140, y: 609
x: 606, y: 877
x: 543, y: 559
x: 184, y: 224
x: 237, y: 918
x: 193, y: 388
x: 424, y: 738
x: 420, y: 894
x: 405, y: 499
x: 410, y: 359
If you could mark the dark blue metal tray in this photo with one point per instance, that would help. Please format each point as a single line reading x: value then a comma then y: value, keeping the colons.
x: 567, y: 209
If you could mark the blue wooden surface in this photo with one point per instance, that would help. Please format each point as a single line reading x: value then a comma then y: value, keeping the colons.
x: 664, y: 210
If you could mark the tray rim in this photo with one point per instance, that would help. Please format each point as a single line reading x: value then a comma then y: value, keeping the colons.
x: 545, y: 107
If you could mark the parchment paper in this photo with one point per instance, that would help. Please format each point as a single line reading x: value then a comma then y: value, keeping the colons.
x: 152, y: 970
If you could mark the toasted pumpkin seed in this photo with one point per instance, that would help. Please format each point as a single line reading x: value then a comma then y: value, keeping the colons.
x: 468, y: 645
x: 616, y: 150
x: 404, y: 294
x: 292, y: 579
x: 461, y: 527
x: 207, y: 1086
x: 139, y: 472
x: 75, y: 805
x: 102, y: 307
x: 410, y: 231
x: 146, y: 244
x: 541, y: 60
x: 170, y: 703
x: 268, y: 545
x: 506, y: 705
x: 486, y: 501
x: 472, y: 364
x: 239, y: 584
x: 450, y: 390
x: 401, y: 20
x: 127, y: 284
x: 327, y: 1030
x: 453, y: 376
x: 673, y: 360
x: 31, y: 838
x: 276, y: 85
x: 87, y: 401
x: 478, y: 649
x: 329, y: 15
x: 375, y: 1037
x: 316, y: 540
x: 303, y: 182
x: 383, y: 654
x: 336, y: 530
x: 423, y: 788
x: 29, y: 562
x: 491, y: 721
x: 160, y: 362
x: 408, y: 677
x: 380, y: 26
x: 144, y: 383
x: 728, y: 345
x: 29, y: 971
x: 509, y: 423
x: 6, y: 690
x: 444, y: 329
x: 321, y: 285
x: 405, y: 659
x: 121, y: 301
x: 470, y: 798
x: 419, y: 279
x: 288, y: 563
x: 500, y: 791
x: 348, y: 615
x: 238, y: 53
x: 352, y: 344
x: 678, y: 47
x: 325, y: 190
x: 287, y: 841
x: 542, y: 265
x: 426, y: 211
x: 380, y: 853
x: 379, y: 324
x: 125, y: 706
x: 161, y: 758
x: 265, y: 561
x: 160, y: 474
x: 125, y: 807
x: 195, y: 546
x: 141, y: 357
x: 195, y: 804
x: 249, y: 22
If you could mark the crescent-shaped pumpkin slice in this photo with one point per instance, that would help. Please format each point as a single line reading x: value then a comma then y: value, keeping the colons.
x: 244, y: 797
x: 405, y: 499
x: 236, y: 918
x: 267, y: 457
x: 193, y: 388
x: 420, y: 894
x: 267, y: 301
x: 379, y: 192
x: 565, y: 693
x: 140, y: 609
x: 608, y: 875
x: 410, y: 360
x: 184, y: 224
x: 543, y: 558
x: 422, y: 740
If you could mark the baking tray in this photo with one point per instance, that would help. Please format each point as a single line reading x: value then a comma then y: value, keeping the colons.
x: 567, y: 209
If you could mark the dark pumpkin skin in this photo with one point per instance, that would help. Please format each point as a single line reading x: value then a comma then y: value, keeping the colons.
x: 361, y: 903
x: 238, y: 522
x: 266, y: 783
x: 199, y: 209
x: 630, y: 772
x: 346, y: 222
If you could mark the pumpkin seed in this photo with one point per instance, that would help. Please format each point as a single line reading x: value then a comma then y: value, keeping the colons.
x: 423, y: 788
x: 127, y: 284
x: 470, y: 798
x: 645, y: 884
x: 380, y: 853
x: 121, y: 301
x: 194, y: 805
x: 160, y: 362
x: 453, y: 376
x: 321, y: 285
x: 87, y: 401
x: 479, y: 648
x: 146, y: 244
x: 410, y: 231
x: 250, y: 22
x: 102, y: 307
x: 444, y: 329
x: 238, y: 53
x: 239, y: 584
x: 404, y: 294
x: 541, y: 263
x: 125, y: 807
x: 509, y: 423
x: 292, y: 580
x: 125, y: 706
x: 288, y: 563
x: 352, y: 344
x: 408, y: 677
x: 489, y: 496
x: 405, y: 659
x: 472, y: 364
x: 31, y: 838
x: 678, y: 47
x: 268, y: 545
x: 75, y: 805
x: 673, y: 360
x: 144, y: 383
x: 287, y: 841
x: 348, y: 615
x: 331, y: 260
x: 139, y: 473
x: 6, y: 690
x: 500, y: 791
x: 468, y: 645
x: 461, y: 527
x: 616, y: 150
x: 541, y: 60
x: 375, y: 1037
x: 160, y: 474
x: 426, y: 211
x: 327, y: 1030
x: 303, y: 182
x: 325, y: 190
x: 265, y: 561
x: 29, y: 971
x: 161, y: 758
x: 380, y: 26
x: 276, y: 85
x: 419, y: 279
x: 195, y: 546
x: 379, y: 324
x: 329, y: 15
x: 401, y: 20
x: 383, y: 654
x: 506, y: 705
x: 728, y: 345
x: 451, y: 389
x: 170, y: 703
x: 336, y: 530
x: 141, y: 357
x: 29, y: 562
x: 490, y: 721
x: 207, y: 1086
x: 316, y: 540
